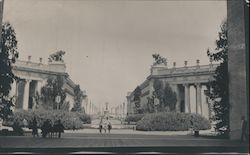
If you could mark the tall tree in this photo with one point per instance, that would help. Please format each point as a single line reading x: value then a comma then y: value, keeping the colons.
x: 219, y: 86
x: 169, y: 98
x: 159, y: 93
x: 51, y: 90
x: 137, y: 99
x: 8, y: 56
x: 166, y: 96
x: 78, y: 99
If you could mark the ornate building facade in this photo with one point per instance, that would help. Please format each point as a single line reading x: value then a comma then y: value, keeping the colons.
x: 181, y: 80
x: 33, y: 76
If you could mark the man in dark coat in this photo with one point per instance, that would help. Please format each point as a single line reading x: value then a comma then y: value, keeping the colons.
x: 243, y: 129
x: 59, y: 128
x: 34, y: 128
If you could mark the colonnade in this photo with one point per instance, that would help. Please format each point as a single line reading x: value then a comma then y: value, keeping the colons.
x: 198, y: 99
x: 21, y: 91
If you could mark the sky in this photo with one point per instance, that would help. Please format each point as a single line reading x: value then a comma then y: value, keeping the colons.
x: 109, y: 44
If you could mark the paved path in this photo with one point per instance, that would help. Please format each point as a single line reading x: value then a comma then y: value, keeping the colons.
x: 118, y: 142
x: 135, y: 132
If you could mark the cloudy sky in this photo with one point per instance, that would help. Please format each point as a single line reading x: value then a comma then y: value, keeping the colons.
x: 109, y: 44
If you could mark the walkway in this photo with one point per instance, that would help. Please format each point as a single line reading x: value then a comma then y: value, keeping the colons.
x: 74, y: 142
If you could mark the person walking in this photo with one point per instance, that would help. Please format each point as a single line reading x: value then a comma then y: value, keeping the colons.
x: 105, y: 124
x: 34, y: 128
x: 100, y: 126
x: 59, y: 128
x: 109, y: 126
x: 243, y: 129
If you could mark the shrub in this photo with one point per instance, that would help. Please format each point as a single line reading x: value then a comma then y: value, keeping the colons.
x: 70, y: 120
x: 134, y: 118
x: 86, y: 119
x: 170, y: 121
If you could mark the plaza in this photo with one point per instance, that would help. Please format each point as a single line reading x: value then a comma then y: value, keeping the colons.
x: 89, y: 140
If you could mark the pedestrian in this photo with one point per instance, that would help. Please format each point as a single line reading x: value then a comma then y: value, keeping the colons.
x: 100, y: 126
x: 105, y: 124
x: 109, y: 126
x: 34, y: 128
x: 243, y: 129
x: 59, y: 128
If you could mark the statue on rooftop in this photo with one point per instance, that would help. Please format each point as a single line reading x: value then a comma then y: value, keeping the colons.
x: 159, y: 60
x: 57, y: 56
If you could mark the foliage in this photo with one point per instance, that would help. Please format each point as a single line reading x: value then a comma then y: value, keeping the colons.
x: 150, y: 107
x: 68, y: 119
x: 86, y: 119
x: 134, y: 118
x: 159, y: 59
x: 137, y: 99
x: 51, y: 90
x: 171, y: 121
x: 65, y: 106
x: 158, y: 93
x: 8, y: 56
x: 78, y: 99
x: 166, y: 96
x: 219, y: 86
x: 169, y: 97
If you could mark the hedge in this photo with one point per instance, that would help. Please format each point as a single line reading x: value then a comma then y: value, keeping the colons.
x: 134, y: 117
x: 70, y: 120
x: 86, y: 119
x: 170, y: 121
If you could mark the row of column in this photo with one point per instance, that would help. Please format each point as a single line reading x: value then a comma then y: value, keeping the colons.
x: 23, y: 98
x: 198, y: 98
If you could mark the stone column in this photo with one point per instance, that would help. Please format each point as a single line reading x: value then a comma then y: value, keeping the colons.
x: 238, y: 64
x: 187, y: 98
x: 198, y: 98
x: 17, y: 83
x: 26, y: 95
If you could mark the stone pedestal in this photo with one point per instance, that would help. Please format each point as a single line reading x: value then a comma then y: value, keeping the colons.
x: 57, y: 66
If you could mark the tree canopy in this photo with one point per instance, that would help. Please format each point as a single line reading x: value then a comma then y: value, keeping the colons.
x: 137, y: 99
x: 166, y: 96
x: 8, y: 56
x: 219, y: 86
x: 52, y: 89
x: 78, y: 99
